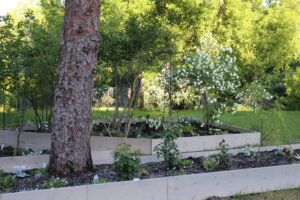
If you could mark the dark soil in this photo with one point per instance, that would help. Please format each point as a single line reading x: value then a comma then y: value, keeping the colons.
x: 153, y: 170
x: 11, y: 151
x: 142, y: 130
x: 7, y: 151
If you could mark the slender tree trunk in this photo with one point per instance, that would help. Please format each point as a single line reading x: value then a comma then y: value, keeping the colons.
x: 72, y: 120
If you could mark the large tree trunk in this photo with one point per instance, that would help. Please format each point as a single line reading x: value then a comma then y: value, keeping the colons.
x: 72, y: 121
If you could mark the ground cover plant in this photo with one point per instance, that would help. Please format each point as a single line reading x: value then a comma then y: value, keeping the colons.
x: 127, y: 163
x: 6, y: 182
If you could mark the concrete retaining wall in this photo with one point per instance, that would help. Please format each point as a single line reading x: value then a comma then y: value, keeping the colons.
x: 31, y: 162
x: 211, y: 142
x: 40, y: 141
x: 186, y: 187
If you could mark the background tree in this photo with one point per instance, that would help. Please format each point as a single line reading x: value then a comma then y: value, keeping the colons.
x: 72, y: 120
x: 131, y: 45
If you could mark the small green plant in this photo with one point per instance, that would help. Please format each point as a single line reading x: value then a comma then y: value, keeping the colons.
x: 6, y: 182
x: 168, y: 149
x: 40, y: 172
x: 262, y: 159
x: 53, y: 183
x: 127, y: 163
x: 216, y: 131
x: 249, y: 151
x: 185, y: 127
x: 288, y: 152
x: 296, y: 161
x: 223, y: 157
x: 185, y: 163
x: 210, y: 163
x: 100, y: 181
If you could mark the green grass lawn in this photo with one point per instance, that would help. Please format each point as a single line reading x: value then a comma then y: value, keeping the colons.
x: 278, y: 127
x: 278, y: 195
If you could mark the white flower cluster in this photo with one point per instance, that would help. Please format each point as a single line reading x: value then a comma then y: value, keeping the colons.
x: 154, y: 94
x: 254, y: 94
x: 155, y: 123
x: 250, y: 151
x: 214, y: 78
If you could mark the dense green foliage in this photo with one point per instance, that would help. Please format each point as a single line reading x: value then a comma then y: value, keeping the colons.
x: 168, y: 149
x: 127, y: 163
x: 6, y: 182
x: 139, y: 37
x: 53, y: 183
x: 292, y: 83
x: 29, y: 58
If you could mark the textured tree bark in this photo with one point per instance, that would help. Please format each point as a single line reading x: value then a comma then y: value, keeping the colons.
x: 72, y: 121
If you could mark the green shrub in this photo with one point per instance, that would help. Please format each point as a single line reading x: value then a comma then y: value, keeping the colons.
x: 53, y: 183
x: 100, y: 181
x: 185, y: 163
x: 288, y: 152
x: 292, y: 83
x: 127, y: 163
x: 6, y: 182
x: 168, y: 149
x: 249, y: 151
x: 40, y: 172
x: 223, y: 157
x: 210, y: 163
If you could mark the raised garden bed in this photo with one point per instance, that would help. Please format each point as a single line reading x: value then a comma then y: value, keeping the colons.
x: 267, y: 171
x: 191, y: 143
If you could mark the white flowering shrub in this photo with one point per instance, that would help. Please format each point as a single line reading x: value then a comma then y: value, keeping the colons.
x: 213, y: 75
x: 253, y: 95
x: 156, y: 88
x: 154, y: 94
x: 156, y: 123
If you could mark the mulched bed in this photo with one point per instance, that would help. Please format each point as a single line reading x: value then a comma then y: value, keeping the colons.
x: 154, y: 170
x: 141, y: 129
x: 8, y: 151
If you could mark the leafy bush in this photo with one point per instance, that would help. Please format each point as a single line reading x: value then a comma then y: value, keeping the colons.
x: 219, y: 161
x: 292, y: 83
x: 53, y: 183
x: 248, y: 151
x: 6, y: 182
x: 185, y: 163
x: 288, y: 152
x: 210, y: 163
x: 213, y: 75
x: 100, y: 181
x: 253, y: 95
x: 223, y: 157
x: 127, y: 163
x: 40, y: 172
x: 168, y: 149
x: 155, y: 91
